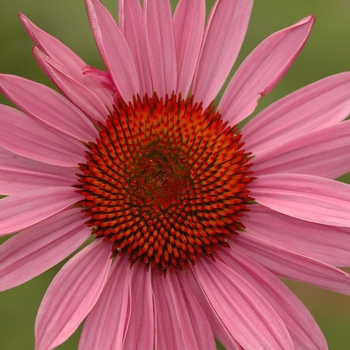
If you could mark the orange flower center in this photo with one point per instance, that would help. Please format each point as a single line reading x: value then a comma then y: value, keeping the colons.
x: 165, y: 182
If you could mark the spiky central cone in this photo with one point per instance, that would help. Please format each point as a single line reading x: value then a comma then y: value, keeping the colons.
x: 165, y: 182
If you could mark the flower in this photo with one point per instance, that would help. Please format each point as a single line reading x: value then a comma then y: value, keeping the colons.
x: 194, y: 219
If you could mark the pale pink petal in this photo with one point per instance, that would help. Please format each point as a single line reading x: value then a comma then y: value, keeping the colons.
x: 107, y: 323
x: 323, y: 153
x: 224, y: 34
x: 189, y: 21
x: 306, y: 197
x: 114, y: 49
x: 221, y: 332
x: 246, y: 314
x: 81, y: 96
x: 30, y: 138
x: 130, y: 23
x: 262, y: 70
x: 160, y: 43
x: 140, y: 334
x: 195, y: 328
x: 302, y: 327
x: 72, y: 294
x: 316, y: 106
x: 41, y: 246
x: 20, y: 174
x: 288, y: 264
x: 25, y: 209
x: 65, y: 57
x: 48, y: 106
x: 326, y: 243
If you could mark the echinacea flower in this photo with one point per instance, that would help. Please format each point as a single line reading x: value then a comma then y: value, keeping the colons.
x: 194, y: 220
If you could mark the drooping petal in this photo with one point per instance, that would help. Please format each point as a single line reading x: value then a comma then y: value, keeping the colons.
x: 306, y: 197
x: 107, y: 323
x: 316, y: 106
x: 81, y: 96
x: 30, y: 138
x: 66, y: 58
x: 41, y: 246
x: 223, y: 37
x: 20, y: 174
x: 48, y: 106
x: 246, y: 314
x: 130, y: 23
x: 25, y: 209
x: 196, y: 331
x: 288, y: 264
x: 219, y: 329
x: 181, y: 323
x: 320, y: 242
x: 160, y: 44
x: 302, y: 327
x: 169, y: 333
x: 323, y: 153
x: 189, y: 21
x: 72, y: 294
x: 262, y: 70
x: 140, y: 334
x: 114, y: 49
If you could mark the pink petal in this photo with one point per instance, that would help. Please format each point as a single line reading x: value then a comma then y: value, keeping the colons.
x: 101, y: 76
x: 53, y: 47
x: 107, y: 323
x: 220, y: 331
x: 246, y: 314
x: 320, y: 242
x: 64, y: 57
x: 262, y: 70
x: 114, y: 49
x: 305, y: 197
x: 48, y: 106
x: 30, y: 138
x: 81, y: 96
x: 140, y: 333
x: 72, y: 294
x: 41, y: 246
x: 25, y: 209
x: 288, y: 264
x: 316, y: 106
x: 20, y: 174
x: 189, y: 21
x: 303, y: 329
x: 121, y: 13
x: 323, y: 153
x: 169, y: 331
x: 196, y: 330
x: 130, y: 23
x: 160, y: 45
x: 223, y: 38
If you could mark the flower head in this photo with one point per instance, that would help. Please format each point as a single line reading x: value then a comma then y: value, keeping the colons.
x: 193, y: 218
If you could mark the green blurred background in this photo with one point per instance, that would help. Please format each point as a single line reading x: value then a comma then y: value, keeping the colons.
x: 327, y: 52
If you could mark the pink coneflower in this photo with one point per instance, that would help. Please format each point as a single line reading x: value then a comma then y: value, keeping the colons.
x: 194, y: 219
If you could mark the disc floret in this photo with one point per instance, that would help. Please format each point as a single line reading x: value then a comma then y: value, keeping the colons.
x: 165, y: 182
